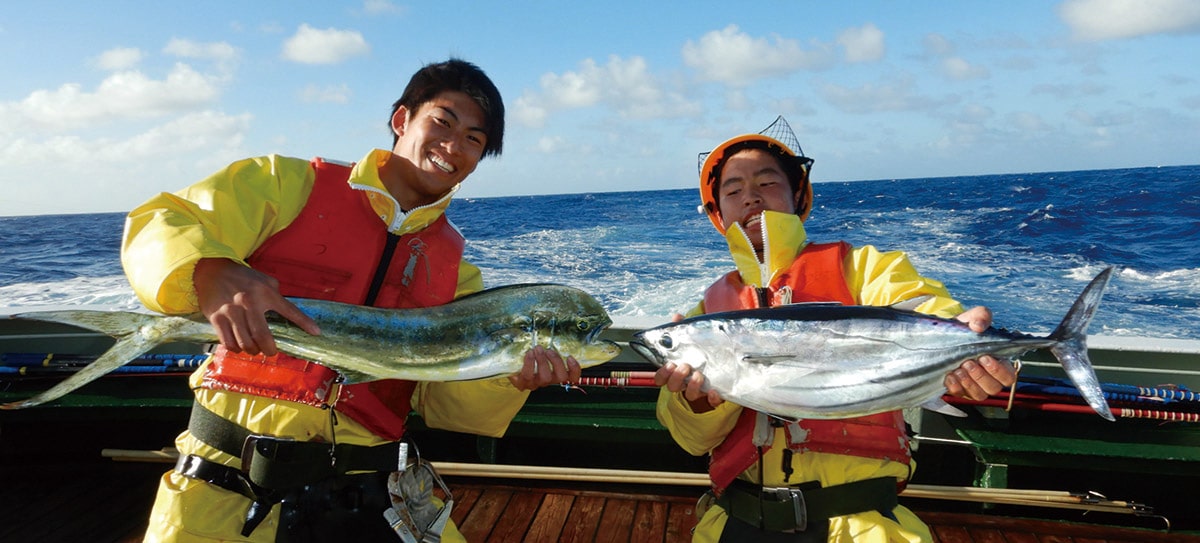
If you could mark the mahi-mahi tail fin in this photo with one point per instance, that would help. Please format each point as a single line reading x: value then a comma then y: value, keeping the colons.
x: 1070, y: 347
x: 130, y: 330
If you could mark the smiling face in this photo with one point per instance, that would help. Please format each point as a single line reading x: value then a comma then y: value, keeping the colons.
x: 442, y: 142
x: 752, y: 181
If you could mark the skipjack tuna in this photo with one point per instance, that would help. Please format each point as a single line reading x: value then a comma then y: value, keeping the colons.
x: 482, y: 335
x: 828, y: 361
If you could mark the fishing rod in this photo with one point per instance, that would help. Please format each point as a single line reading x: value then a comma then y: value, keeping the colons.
x: 70, y: 360
x: 1087, y: 501
x: 1002, y: 401
x: 65, y: 364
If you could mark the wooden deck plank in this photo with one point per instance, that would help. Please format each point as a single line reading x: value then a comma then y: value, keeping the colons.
x: 1020, y: 537
x: 585, y: 517
x: 649, y: 522
x: 483, y: 516
x: 681, y: 518
x: 550, y: 518
x: 987, y: 535
x: 464, y: 500
x: 111, y: 502
x: 1025, y: 530
x: 518, y: 514
x: 617, y: 521
x: 1054, y: 538
x: 951, y: 534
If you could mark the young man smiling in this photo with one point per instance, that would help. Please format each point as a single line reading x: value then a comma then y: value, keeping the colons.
x: 234, y: 245
x: 807, y: 480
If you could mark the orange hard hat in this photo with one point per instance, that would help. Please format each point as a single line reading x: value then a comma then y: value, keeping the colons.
x: 712, y: 162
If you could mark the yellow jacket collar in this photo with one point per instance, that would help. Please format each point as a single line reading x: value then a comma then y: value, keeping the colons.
x: 365, y: 177
x: 783, y: 239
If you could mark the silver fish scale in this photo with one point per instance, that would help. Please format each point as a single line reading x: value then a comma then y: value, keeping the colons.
x: 835, y: 368
x: 831, y: 361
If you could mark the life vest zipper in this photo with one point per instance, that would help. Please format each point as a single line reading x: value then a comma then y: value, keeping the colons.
x: 385, y: 260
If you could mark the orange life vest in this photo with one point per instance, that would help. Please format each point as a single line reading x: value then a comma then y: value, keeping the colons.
x: 817, y: 275
x: 338, y: 249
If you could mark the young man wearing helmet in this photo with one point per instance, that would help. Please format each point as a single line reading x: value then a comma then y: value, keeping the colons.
x: 756, y: 191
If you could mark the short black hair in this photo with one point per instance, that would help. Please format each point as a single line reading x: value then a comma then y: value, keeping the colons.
x: 461, y: 76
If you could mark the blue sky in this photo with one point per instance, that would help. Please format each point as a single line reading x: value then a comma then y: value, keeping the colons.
x: 106, y: 103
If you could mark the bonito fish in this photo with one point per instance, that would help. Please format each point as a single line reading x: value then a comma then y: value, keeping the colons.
x: 827, y: 361
x: 478, y: 336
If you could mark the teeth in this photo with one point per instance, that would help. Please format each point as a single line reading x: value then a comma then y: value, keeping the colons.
x: 442, y: 165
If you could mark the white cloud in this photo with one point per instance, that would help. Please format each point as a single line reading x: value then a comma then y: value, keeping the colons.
x: 184, y: 133
x: 1027, y: 122
x: 1068, y: 91
x: 338, y: 94
x: 329, y: 46
x: 976, y: 113
x: 937, y: 45
x: 863, y: 44
x: 549, y: 145
x: 626, y: 85
x: 122, y: 95
x: 734, y: 58
x: 219, y: 51
x: 959, y: 69
x: 874, y: 98
x: 1098, y: 20
x: 381, y: 7
x: 113, y: 174
x: 120, y: 58
x: 224, y: 55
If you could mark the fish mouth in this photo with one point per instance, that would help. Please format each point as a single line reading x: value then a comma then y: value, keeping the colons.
x: 598, y: 352
x: 638, y: 344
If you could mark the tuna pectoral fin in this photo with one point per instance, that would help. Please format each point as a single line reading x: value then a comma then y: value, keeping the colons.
x: 940, y: 406
x: 1070, y: 346
x: 131, y: 343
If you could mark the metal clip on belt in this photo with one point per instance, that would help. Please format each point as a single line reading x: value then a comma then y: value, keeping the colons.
x: 792, y: 509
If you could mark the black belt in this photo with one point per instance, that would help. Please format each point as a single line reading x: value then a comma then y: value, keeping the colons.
x: 273, y: 468
x: 348, y: 506
x: 280, y: 463
x: 796, y: 508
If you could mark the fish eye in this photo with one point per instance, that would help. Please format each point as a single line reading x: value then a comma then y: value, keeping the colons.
x: 666, y: 342
x: 582, y: 324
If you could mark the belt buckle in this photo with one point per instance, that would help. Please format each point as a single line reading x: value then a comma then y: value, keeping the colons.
x: 259, y: 445
x: 799, y: 508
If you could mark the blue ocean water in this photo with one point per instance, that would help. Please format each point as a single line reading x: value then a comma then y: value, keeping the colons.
x: 1023, y: 245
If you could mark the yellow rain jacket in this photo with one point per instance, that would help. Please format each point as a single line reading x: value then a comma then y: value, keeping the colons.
x: 229, y: 215
x: 874, y: 278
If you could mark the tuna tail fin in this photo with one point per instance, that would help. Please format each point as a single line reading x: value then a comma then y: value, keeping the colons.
x: 1070, y: 347
x: 132, y: 342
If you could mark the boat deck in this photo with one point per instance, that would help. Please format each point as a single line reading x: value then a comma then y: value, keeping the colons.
x: 109, y: 501
x: 58, y: 487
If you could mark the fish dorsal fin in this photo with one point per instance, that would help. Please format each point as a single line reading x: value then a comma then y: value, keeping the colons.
x: 911, y: 303
x: 813, y: 304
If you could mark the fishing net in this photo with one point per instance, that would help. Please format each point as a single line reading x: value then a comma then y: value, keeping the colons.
x: 778, y: 130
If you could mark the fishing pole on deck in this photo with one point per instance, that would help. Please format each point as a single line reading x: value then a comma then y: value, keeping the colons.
x: 1085, y: 501
x: 50, y: 364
